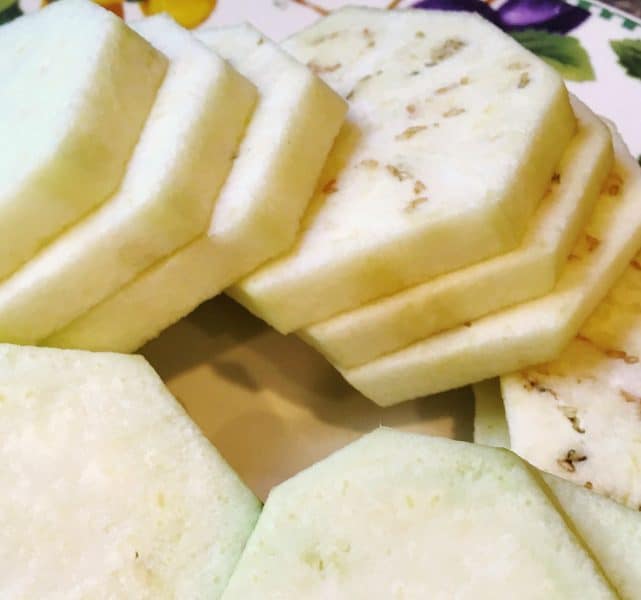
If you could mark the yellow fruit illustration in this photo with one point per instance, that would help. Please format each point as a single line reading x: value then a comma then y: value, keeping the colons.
x: 114, y: 7
x: 189, y: 13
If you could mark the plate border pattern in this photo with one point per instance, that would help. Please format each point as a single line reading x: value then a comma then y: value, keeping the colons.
x: 607, y: 12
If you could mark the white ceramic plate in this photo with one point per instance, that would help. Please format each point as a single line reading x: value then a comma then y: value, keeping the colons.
x: 271, y: 404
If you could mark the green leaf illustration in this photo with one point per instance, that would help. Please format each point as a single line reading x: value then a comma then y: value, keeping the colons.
x: 629, y: 53
x: 563, y: 52
x: 9, y: 10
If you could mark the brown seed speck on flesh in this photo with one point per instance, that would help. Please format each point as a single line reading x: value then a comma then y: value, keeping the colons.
x: 556, y: 178
x: 446, y: 88
x: 415, y: 203
x: 319, y: 9
x: 593, y: 243
x: 324, y: 38
x: 574, y: 257
x: 419, y: 187
x: 621, y: 355
x: 534, y: 384
x: 454, y: 112
x: 588, y: 485
x: 464, y: 80
x: 524, y: 80
x: 568, y: 462
x: 610, y: 352
x: 320, y: 69
x: 330, y: 187
x: 360, y: 82
x: 369, y: 36
x: 395, y: 171
x: 467, y: 324
x: 411, y: 109
x: 517, y: 66
x: 447, y: 49
x: 261, y: 41
x: 613, y: 184
x: 571, y: 414
x: 369, y: 163
x: 635, y: 264
x: 629, y: 397
x: 414, y: 73
x: 410, y: 132
x: 419, y: 34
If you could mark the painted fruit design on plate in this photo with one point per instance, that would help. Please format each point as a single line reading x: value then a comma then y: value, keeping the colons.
x: 189, y: 13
